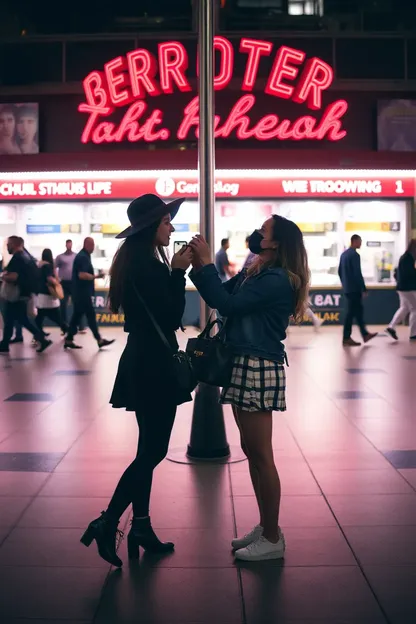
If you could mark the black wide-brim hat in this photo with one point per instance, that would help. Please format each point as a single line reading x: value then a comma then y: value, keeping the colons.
x: 148, y: 209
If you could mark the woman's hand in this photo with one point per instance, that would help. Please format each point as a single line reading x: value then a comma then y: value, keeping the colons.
x: 182, y: 259
x: 201, y: 251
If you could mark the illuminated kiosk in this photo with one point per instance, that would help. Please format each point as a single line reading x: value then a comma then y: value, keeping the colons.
x: 332, y: 192
x: 328, y: 205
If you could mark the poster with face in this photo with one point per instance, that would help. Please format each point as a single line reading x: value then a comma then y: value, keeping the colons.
x: 396, y: 125
x: 19, y: 128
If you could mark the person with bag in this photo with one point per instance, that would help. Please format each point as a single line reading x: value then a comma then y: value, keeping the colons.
x: 17, y: 290
x: 257, y: 305
x: 50, y: 293
x: 405, y: 275
x: 151, y: 293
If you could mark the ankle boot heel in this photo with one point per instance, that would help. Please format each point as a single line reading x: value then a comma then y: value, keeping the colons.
x: 132, y: 547
x: 88, y: 537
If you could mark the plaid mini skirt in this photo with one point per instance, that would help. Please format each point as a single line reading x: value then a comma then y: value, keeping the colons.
x: 256, y: 385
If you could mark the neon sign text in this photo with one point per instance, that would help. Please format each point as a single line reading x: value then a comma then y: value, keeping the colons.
x: 128, y: 81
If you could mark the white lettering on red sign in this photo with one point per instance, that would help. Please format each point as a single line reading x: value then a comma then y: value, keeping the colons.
x: 167, y: 187
x: 330, y: 187
x: 55, y: 189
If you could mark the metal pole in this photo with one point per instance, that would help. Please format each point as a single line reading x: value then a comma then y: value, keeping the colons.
x: 208, y: 440
x: 206, y: 145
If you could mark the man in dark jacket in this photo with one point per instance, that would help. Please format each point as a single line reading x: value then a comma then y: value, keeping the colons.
x: 20, y: 276
x: 354, y: 288
x: 406, y: 288
x: 83, y: 278
x: 18, y: 328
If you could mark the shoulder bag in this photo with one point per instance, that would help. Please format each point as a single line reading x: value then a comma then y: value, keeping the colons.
x: 182, y: 367
x: 9, y: 292
x: 211, y: 358
x: 56, y: 291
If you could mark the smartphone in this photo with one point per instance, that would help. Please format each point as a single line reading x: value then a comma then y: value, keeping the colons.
x: 177, y: 246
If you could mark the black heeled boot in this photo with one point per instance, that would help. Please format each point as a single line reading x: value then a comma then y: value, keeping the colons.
x: 142, y: 534
x: 107, y: 536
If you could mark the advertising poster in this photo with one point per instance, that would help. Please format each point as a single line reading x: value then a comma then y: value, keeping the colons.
x: 19, y: 129
x: 396, y: 125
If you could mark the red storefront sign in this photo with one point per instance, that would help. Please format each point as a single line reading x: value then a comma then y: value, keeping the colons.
x: 128, y: 80
x: 244, y: 184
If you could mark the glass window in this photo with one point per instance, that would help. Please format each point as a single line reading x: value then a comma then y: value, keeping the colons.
x: 320, y: 223
x: 382, y: 226
x: 306, y: 7
x: 49, y: 225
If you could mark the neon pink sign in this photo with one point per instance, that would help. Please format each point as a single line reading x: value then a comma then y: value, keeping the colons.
x: 132, y: 81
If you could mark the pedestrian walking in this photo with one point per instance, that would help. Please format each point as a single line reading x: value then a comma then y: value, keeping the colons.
x: 355, y: 289
x: 48, y: 302
x: 18, y: 328
x: 18, y: 288
x: 406, y: 289
x: 83, y: 278
x: 64, y: 263
x: 222, y: 263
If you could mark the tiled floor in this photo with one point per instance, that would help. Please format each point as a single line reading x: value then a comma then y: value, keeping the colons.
x: 346, y: 451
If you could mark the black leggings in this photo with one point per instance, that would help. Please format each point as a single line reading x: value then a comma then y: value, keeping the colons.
x: 155, y: 427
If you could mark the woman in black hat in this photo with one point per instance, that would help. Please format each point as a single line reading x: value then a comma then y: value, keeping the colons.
x: 141, y: 278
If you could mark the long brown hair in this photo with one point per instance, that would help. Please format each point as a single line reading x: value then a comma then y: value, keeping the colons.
x: 411, y: 248
x: 135, y: 251
x: 290, y: 255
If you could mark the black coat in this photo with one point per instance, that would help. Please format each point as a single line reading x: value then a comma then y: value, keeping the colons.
x: 406, y: 273
x: 145, y: 371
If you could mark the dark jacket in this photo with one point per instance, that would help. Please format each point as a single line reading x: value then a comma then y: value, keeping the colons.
x: 406, y: 273
x: 82, y: 264
x: 145, y: 372
x: 257, y: 309
x: 349, y: 271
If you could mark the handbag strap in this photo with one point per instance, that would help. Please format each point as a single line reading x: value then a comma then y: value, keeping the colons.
x: 222, y: 323
x: 153, y: 320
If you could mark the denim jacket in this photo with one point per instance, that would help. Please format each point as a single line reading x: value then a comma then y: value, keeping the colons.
x: 257, y: 309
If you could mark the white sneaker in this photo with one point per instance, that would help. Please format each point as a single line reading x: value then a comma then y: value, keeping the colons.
x: 249, y: 538
x: 262, y: 550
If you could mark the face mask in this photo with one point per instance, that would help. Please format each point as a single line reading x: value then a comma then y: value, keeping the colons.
x: 254, y: 242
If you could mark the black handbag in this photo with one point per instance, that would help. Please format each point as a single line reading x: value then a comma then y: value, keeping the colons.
x: 211, y: 357
x: 182, y: 366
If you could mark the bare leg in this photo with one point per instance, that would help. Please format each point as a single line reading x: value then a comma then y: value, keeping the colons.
x: 256, y: 429
x: 254, y: 475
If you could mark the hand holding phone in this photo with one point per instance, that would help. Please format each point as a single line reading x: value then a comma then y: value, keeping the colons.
x: 178, y: 246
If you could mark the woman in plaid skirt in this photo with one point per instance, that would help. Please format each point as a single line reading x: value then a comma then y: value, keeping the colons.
x: 258, y: 304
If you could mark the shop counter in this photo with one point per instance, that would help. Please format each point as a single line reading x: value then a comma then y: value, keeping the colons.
x: 380, y: 305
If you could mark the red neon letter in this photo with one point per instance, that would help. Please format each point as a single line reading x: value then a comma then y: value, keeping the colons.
x: 116, y: 78
x: 316, y: 77
x: 255, y: 49
x: 281, y: 69
x: 227, y: 61
x: 191, y: 118
x: 95, y: 92
x: 331, y: 124
x: 96, y: 104
x: 142, y: 69
x: 173, y: 62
